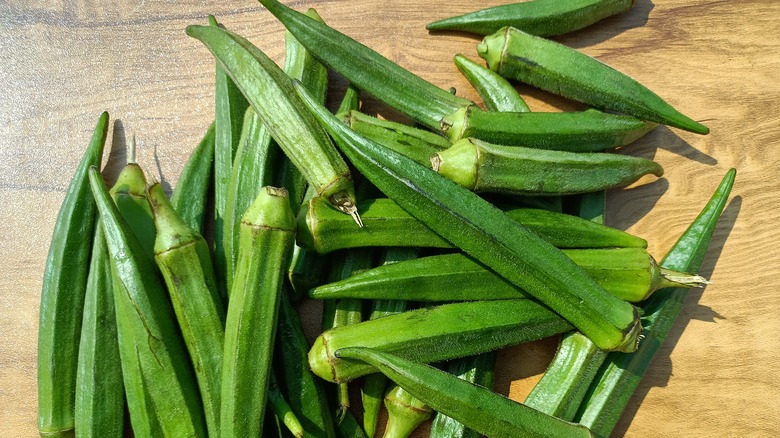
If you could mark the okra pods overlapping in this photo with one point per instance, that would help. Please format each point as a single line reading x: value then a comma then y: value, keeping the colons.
x: 190, y: 195
x: 496, y: 92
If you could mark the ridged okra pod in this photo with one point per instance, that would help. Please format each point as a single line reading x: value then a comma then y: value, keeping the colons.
x: 269, y: 90
x: 323, y: 229
x: 496, y: 92
x: 281, y: 409
x: 489, y: 168
x: 184, y: 259
x: 564, y: 71
x: 478, y: 408
x: 404, y: 413
x: 537, y: 17
x: 267, y: 233
x: 492, y: 237
x: 160, y: 385
x: 62, y: 295
x: 129, y: 195
x: 620, y: 375
x: 437, y: 333
x: 191, y: 192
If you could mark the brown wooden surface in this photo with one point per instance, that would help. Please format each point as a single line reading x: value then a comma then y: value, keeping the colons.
x: 63, y: 62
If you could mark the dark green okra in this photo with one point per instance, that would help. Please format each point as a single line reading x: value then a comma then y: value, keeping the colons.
x: 478, y: 408
x: 184, y: 259
x: 620, y: 375
x: 190, y: 196
x: 62, y: 295
x: 496, y: 92
x: 323, y: 229
x: 492, y: 237
x: 537, y: 17
x: 161, y: 389
x: 437, y: 333
x: 551, y: 66
x: 489, y: 168
x: 404, y: 413
x: 267, y: 234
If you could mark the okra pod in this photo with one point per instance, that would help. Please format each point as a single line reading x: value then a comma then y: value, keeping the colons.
x: 267, y: 232
x: 162, y: 396
x: 62, y: 295
x: 478, y: 408
x: 282, y: 409
x: 404, y: 413
x: 323, y: 229
x: 433, y: 334
x: 550, y: 66
x: 491, y: 237
x: 537, y: 17
x: 270, y: 92
x: 496, y: 92
x: 488, y: 168
x: 621, y: 373
x: 191, y: 193
x: 184, y: 259
x: 129, y: 195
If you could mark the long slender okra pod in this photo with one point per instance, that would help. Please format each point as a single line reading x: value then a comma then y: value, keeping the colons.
x: 191, y: 192
x: 537, y: 17
x: 404, y: 413
x: 282, y: 409
x: 267, y: 231
x: 62, y: 295
x: 621, y: 373
x: 549, y: 65
x: 480, y: 409
x: 437, y: 333
x: 489, y: 168
x: 184, y: 259
x: 160, y: 385
x: 496, y: 92
x: 271, y: 93
x: 493, y: 238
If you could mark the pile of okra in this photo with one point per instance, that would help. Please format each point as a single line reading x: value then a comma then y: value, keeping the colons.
x: 431, y: 246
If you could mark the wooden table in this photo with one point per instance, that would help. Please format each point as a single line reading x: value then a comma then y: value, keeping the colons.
x: 63, y: 62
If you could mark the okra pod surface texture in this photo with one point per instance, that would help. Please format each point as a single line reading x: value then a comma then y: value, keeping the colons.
x: 62, y: 295
x: 496, y: 92
x: 190, y: 196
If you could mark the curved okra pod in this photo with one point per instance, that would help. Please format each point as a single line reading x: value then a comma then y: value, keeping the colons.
x: 496, y: 92
x: 478, y: 408
x: 267, y: 233
x: 191, y: 193
x: 628, y: 273
x: 161, y: 389
x: 491, y: 237
x: 62, y: 295
x: 323, y: 229
x: 618, y: 378
x: 404, y: 413
x: 550, y: 66
x: 434, y: 334
x: 184, y: 259
x: 489, y: 168
x: 537, y: 17
x: 271, y: 93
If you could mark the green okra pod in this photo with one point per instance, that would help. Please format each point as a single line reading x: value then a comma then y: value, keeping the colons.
x: 478, y: 408
x: 282, y: 409
x: 323, y: 229
x: 270, y: 92
x: 404, y: 413
x: 437, y: 333
x: 129, y: 195
x: 184, y: 259
x: 490, y: 168
x: 267, y: 233
x: 190, y: 196
x: 550, y: 66
x: 537, y: 17
x: 496, y: 92
x: 492, y: 237
x: 161, y: 389
x: 620, y: 375
x: 349, y: 102
x: 62, y: 295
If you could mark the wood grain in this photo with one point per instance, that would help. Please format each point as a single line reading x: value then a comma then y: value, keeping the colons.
x: 63, y: 62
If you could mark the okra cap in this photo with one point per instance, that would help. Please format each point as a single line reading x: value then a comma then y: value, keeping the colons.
x: 271, y: 209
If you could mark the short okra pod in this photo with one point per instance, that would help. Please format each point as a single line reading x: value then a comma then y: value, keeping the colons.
x: 323, y: 229
x: 550, y: 66
x: 191, y: 193
x: 270, y: 92
x: 489, y: 168
x: 478, y: 408
x: 184, y: 259
x: 282, y: 409
x: 437, y: 333
x: 496, y: 92
x: 492, y: 237
x: 62, y: 294
x: 537, y: 17
x: 404, y: 413
x: 267, y: 234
